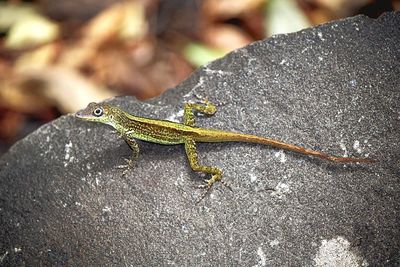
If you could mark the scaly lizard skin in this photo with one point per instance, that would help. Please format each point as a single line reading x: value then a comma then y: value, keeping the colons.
x: 171, y: 133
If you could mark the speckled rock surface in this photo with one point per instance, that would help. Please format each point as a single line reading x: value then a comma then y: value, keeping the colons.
x: 334, y: 88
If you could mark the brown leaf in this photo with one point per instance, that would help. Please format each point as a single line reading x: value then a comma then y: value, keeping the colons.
x: 226, y: 37
x: 225, y: 9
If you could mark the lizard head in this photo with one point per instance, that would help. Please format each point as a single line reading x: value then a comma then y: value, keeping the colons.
x: 96, y: 112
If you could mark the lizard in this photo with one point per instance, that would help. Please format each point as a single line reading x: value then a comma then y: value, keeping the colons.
x: 166, y: 132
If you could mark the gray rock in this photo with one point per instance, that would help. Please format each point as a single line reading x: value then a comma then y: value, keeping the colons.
x: 334, y: 88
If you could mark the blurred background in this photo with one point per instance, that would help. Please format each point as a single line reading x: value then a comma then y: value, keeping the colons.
x: 57, y: 56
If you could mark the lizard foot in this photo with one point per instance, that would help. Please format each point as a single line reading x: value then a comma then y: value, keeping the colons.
x: 130, y: 165
x: 208, y: 184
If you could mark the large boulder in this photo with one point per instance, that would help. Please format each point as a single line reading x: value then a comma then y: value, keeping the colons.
x: 334, y: 88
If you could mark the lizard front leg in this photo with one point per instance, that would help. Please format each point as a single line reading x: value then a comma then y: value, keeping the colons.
x: 191, y: 152
x: 206, y: 108
x: 135, y: 152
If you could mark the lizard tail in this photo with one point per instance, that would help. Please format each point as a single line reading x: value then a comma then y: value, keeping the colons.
x: 221, y: 136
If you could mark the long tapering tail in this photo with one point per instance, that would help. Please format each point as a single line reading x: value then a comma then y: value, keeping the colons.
x: 222, y: 136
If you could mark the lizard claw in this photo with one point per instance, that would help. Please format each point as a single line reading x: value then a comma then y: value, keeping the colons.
x: 226, y: 185
x: 130, y: 165
x: 203, y: 195
x: 207, y: 187
x: 122, y: 166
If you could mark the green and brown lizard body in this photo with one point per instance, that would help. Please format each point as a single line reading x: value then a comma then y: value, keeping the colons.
x: 171, y: 133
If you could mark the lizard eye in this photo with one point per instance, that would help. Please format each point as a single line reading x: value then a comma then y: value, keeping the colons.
x: 98, y: 112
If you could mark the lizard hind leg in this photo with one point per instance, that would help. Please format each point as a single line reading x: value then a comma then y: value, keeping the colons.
x: 206, y: 108
x: 216, y: 174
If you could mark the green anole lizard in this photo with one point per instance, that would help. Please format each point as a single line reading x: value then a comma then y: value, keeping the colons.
x: 164, y: 132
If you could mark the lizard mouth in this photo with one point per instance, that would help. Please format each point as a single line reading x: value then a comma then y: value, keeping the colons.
x: 80, y: 114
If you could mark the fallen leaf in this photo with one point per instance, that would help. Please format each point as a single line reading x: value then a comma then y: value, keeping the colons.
x: 225, y: 37
x: 30, y: 31
x: 198, y: 54
x: 284, y: 16
x: 224, y: 9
